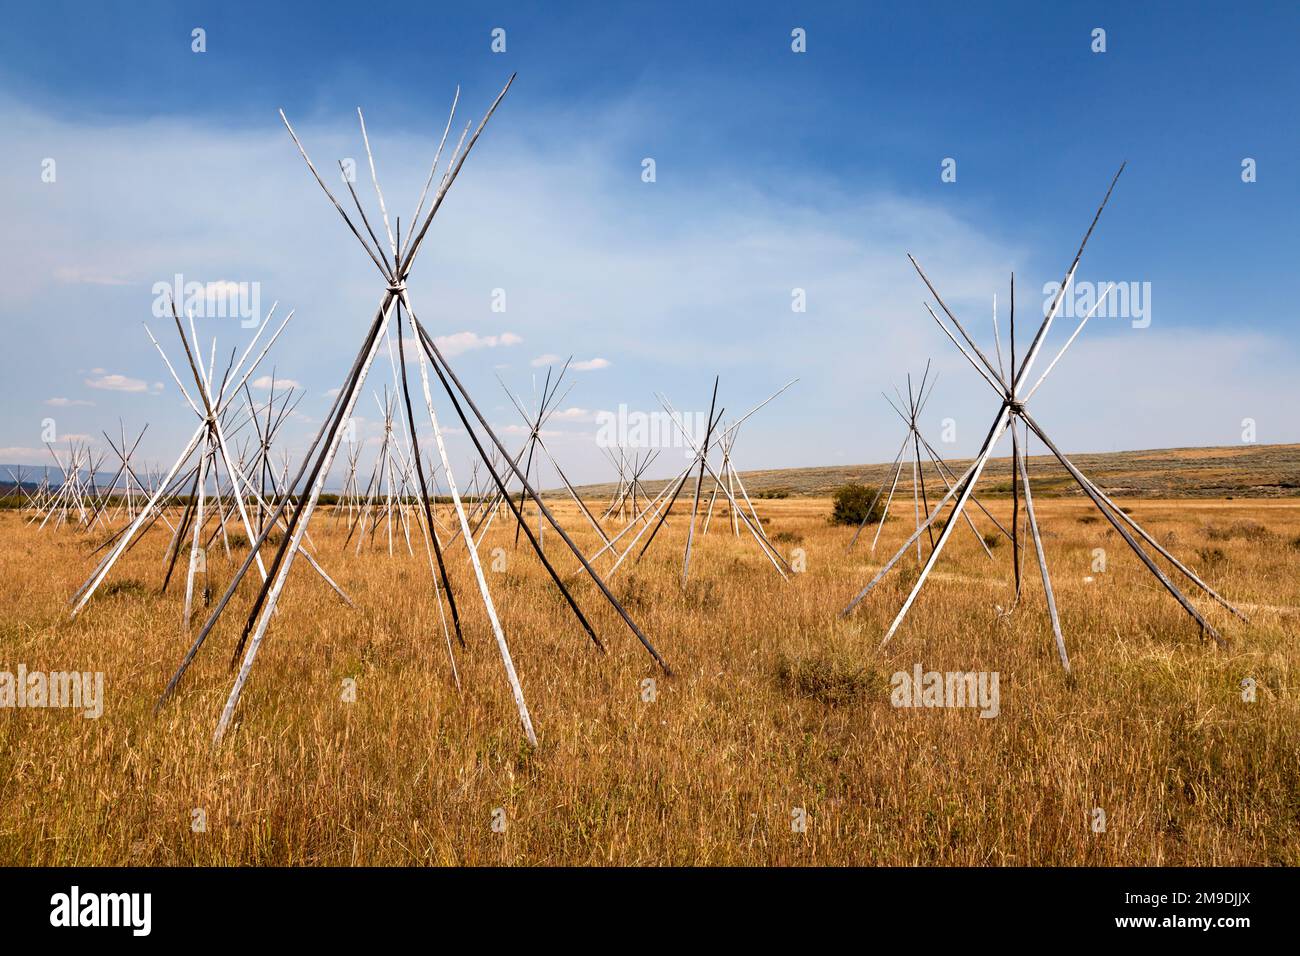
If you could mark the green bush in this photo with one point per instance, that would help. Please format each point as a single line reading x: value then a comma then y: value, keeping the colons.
x: 851, y: 504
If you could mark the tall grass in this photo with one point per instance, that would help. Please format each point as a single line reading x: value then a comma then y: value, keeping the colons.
x: 777, y: 704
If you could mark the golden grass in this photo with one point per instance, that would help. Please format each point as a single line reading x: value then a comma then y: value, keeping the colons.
x: 776, y: 704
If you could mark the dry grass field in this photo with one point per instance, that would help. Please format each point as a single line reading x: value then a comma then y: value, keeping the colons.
x: 776, y: 704
x: 1246, y: 470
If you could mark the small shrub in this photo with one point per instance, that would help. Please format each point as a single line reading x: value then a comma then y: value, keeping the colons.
x: 905, y: 575
x: 828, y: 678
x: 1211, y: 556
x: 992, y: 539
x: 701, y: 593
x: 125, y: 586
x: 634, y: 593
x: 851, y: 503
x: 787, y: 537
x: 1246, y: 530
x: 239, y: 540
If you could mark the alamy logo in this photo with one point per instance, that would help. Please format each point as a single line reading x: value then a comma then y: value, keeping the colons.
x: 74, y: 908
x: 73, y: 689
x: 209, y: 300
x: 626, y: 429
x: 946, y: 689
x: 1104, y: 300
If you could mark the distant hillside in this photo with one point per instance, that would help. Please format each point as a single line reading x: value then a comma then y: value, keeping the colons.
x: 1238, y: 471
x: 32, y: 475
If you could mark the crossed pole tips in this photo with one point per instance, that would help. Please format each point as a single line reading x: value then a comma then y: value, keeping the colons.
x: 393, y: 255
x: 132, y: 486
x: 661, y: 506
x: 79, y: 498
x: 547, y: 407
x: 211, y: 444
x: 631, y: 485
x: 78, y: 493
x: 1009, y: 382
x: 922, y: 452
x: 388, y: 489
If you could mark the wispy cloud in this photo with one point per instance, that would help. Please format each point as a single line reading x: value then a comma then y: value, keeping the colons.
x: 515, y: 431
x: 573, y: 415
x: 582, y: 365
x: 460, y: 342
x: 24, y: 456
x: 67, y: 402
x: 75, y: 276
x: 117, y: 383
x: 667, y: 293
x: 266, y: 381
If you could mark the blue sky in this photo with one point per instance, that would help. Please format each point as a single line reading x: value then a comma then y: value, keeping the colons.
x: 775, y: 170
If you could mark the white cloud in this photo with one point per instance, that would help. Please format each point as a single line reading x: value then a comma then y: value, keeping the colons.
x: 117, y: 383
x: 67, y: 402
x: 265, y: 381
x: 460, y: 342
x: 583, y: 365
x: 76, y: 276
x: 24, y: 456
x: 697, y: 283
x: 1192, y: 386
x: 525, y: 431
x: 573, y: 415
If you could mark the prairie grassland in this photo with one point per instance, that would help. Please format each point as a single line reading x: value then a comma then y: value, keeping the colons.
x: 776, y: 704
x: 1246, y: 470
